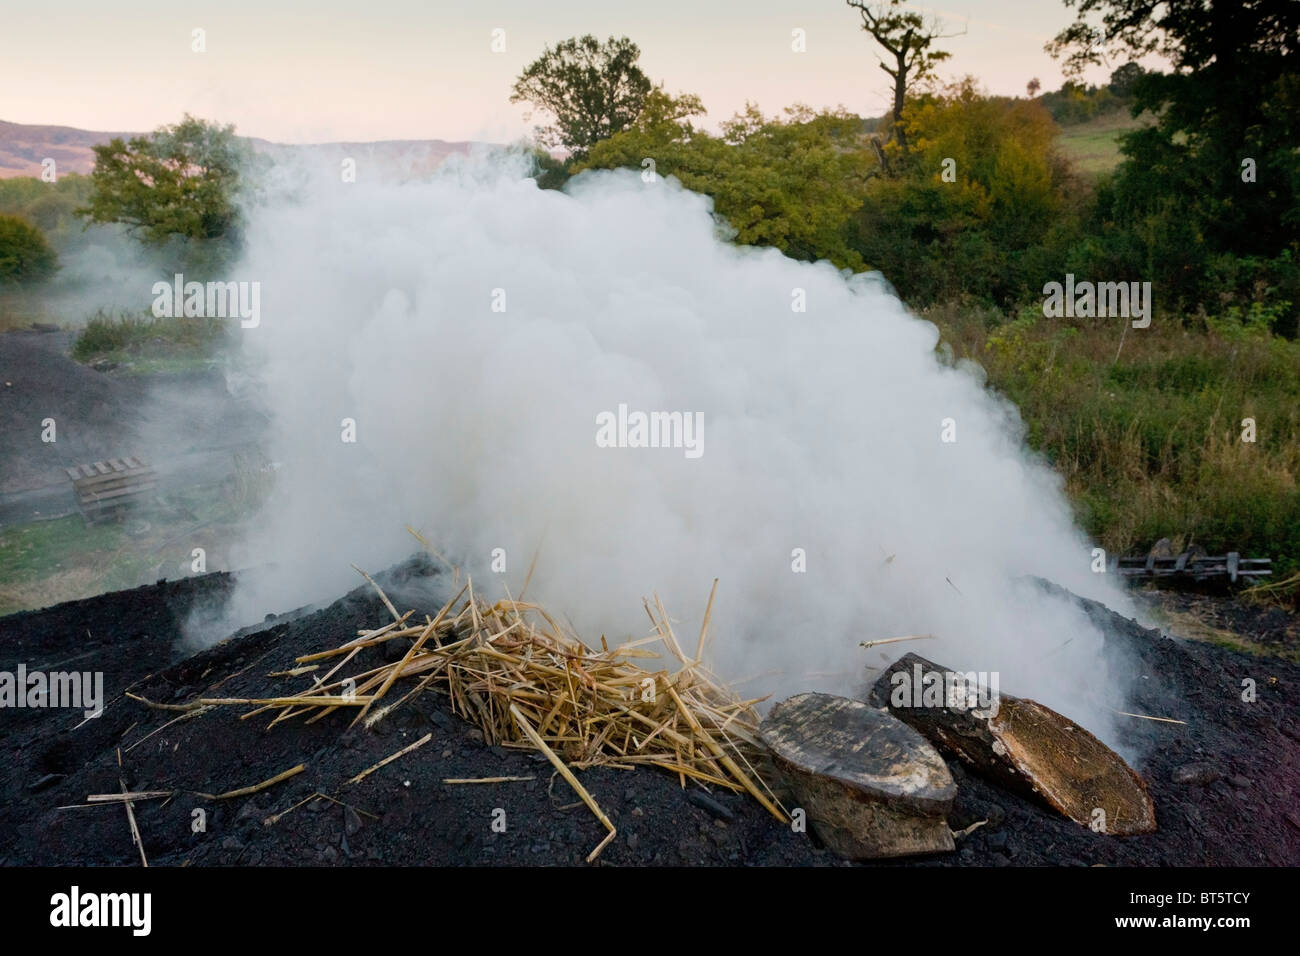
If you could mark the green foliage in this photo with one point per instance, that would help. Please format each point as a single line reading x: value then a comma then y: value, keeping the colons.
x: 1123, y: 81
x: 51, y: 207
x: 1076, y: 103
x: 592, y: 89
x: 1218, y: 175
x: 25, y: 256
x: 180, y: 181
x: 790, y: 182
x: 1027, y: 351
x: 980, y: 208
x: 1149, y: 443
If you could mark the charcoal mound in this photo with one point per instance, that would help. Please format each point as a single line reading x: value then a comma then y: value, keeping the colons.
x: 1225, y: 783
x: 96, y: 416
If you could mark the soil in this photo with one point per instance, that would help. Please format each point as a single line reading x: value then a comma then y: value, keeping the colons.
x: 1226, y: 784
x: 186, y: 424
x: 1228, y: 617
x: 181, y: 422
x: 94, y: 414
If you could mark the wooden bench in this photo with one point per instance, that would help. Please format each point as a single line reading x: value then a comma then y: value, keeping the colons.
x: 106, y: 489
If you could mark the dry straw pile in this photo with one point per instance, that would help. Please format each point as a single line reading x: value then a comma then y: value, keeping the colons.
x: 526, y: 681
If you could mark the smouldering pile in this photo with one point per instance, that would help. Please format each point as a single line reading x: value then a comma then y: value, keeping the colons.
x: 528, y: 682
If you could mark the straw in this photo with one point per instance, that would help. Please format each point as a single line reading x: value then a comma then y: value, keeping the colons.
x: 527, y: 681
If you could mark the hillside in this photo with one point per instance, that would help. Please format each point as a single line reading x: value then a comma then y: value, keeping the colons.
x: 23, y: 147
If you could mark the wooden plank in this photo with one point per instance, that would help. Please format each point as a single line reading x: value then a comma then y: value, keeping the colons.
x: 115, y: 497
x: 73, y: 473
x: 102, y: 468
x: 116, y: 492
x: 114, y: 476
x: 95, y: 497
x: 116, y: 465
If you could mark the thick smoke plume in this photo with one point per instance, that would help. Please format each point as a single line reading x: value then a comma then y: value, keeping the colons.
x: 821, y: 431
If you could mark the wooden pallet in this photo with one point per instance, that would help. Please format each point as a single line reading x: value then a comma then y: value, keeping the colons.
x: 1197, y: 567
x: 106, y: 489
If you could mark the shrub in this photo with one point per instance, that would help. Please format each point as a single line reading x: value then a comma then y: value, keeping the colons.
x: 25, y: 256
x: 107, y: 334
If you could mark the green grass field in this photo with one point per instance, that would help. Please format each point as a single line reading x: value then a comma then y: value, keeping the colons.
x: 1146, y: 426
x: 1094, y: 145
x: 49, y: 562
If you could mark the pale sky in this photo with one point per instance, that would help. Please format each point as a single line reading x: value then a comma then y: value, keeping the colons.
x: 299, y: 71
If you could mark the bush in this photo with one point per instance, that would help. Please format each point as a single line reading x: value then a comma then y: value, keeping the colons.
x: 996, y: 227
x: 791, y: 182
x: 25, y: 256
x: 106, y: 334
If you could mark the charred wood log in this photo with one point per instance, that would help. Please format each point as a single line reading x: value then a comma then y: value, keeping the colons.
x: 870, y: 785
x: 1020, y: 744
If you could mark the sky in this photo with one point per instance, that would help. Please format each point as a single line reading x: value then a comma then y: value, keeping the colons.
x: 301, y: 71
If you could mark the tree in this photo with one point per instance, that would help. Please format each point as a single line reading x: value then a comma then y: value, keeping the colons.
x: 982, y: 203
x: 1219, y: 173
x: 1125, y: 79
x: 181, y: 180
x: 25, y: 256
x: 592, y: 89
x: 1191, y: 34
x: 908, y: 39
x: 1033, y: 86
x: 789, y: 182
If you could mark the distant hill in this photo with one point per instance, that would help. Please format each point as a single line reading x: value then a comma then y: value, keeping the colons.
x: 23, y: 147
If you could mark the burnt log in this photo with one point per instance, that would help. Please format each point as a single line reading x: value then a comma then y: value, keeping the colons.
x: 1018, y: 743
x: 871, y: 786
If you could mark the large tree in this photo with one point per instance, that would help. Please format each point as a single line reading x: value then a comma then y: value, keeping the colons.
x: 592, y: 89
x: 791, y: 182
x: 908, y: 39
x: 1231, y: 106
x: 180, y: 180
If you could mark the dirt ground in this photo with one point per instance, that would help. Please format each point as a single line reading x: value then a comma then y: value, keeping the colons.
x: 183, y: 423
x: 95, y: 415
x: 1226, y: 784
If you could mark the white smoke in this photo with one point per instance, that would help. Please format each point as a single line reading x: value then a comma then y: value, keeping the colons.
x: 822, y: 432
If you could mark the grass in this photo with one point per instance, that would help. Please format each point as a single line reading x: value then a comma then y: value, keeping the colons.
x: 149, y: 341
x: 1094, y: 145
x: 48, y: 562
x: 1149, y: 443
